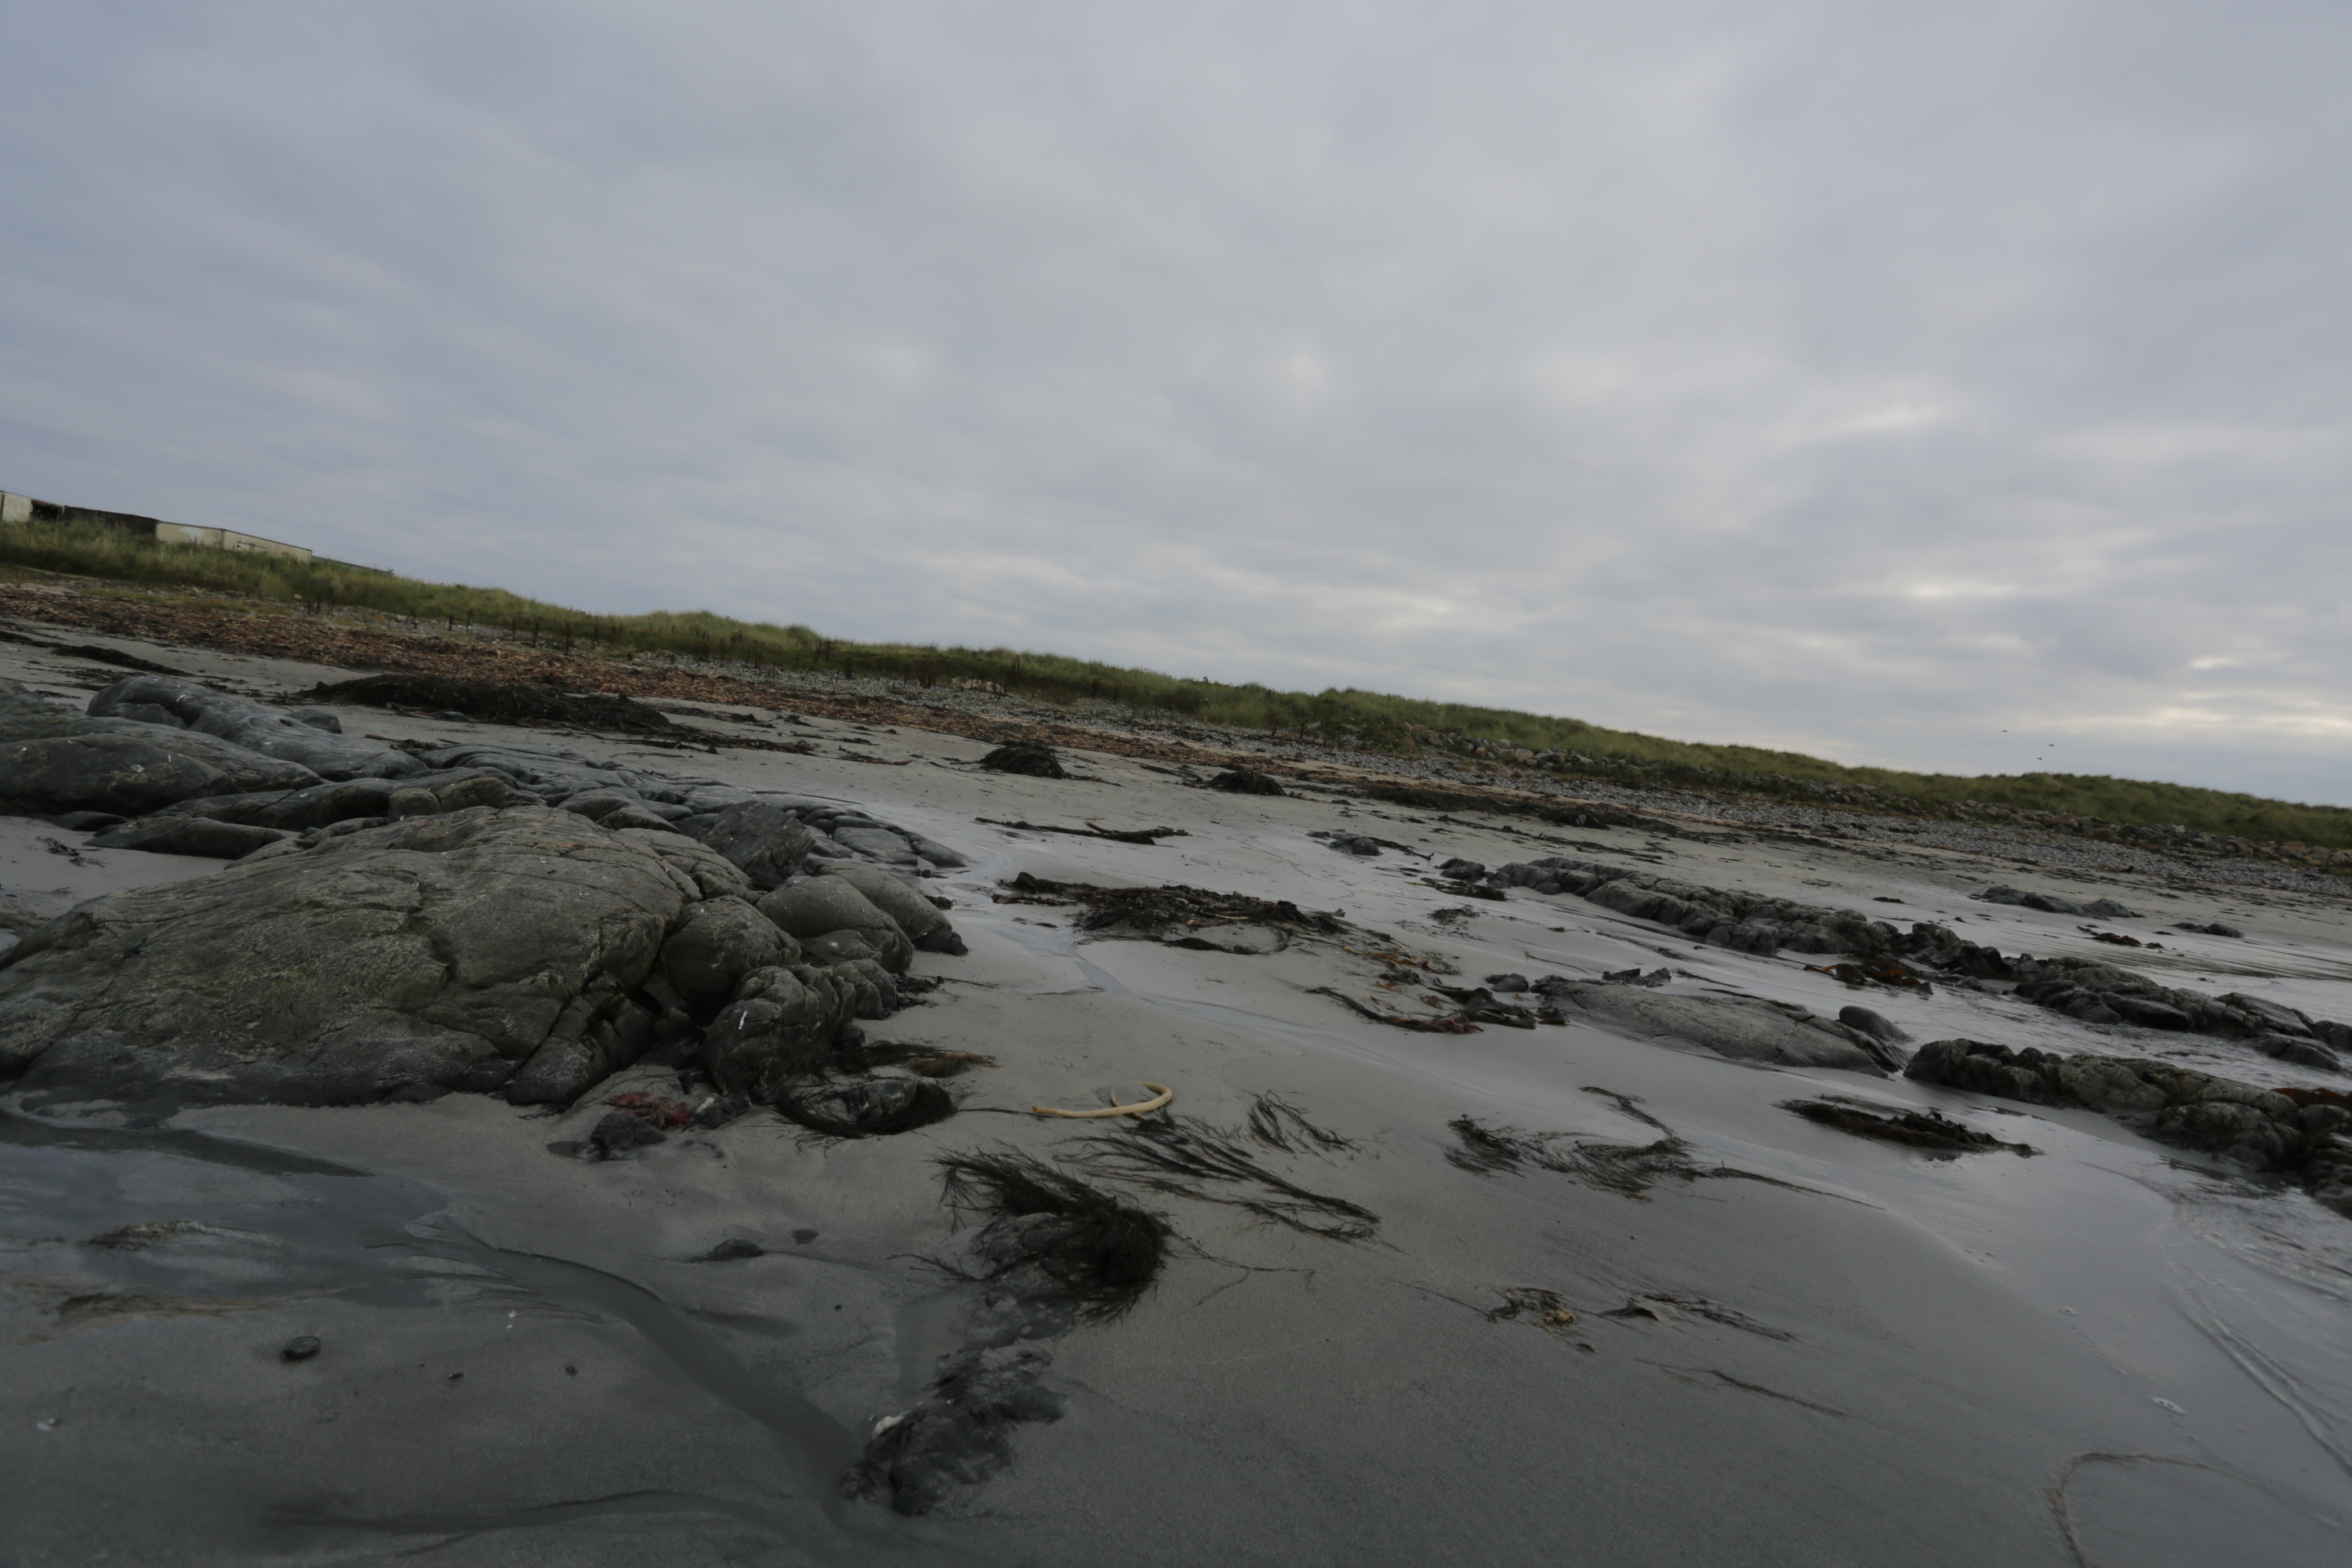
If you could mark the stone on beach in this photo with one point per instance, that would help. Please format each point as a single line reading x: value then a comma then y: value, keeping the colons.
x: 164, y: 700
x: 445, y: 950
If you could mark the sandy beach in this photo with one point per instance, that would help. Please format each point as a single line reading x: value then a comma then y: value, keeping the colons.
x: 1577, y: 1290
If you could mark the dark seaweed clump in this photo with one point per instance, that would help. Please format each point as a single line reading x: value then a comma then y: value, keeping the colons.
x: 1099, y: 1252
x: 1180, y: 1156
x: 874, y: 1107
x: 1914, y: 1129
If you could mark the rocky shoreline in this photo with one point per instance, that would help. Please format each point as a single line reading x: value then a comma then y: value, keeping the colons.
x: 680, y: 1127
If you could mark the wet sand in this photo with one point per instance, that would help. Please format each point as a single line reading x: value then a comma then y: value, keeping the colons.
x: 2108, y: 1351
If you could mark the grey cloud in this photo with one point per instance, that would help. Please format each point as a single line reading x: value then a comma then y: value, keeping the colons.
x: 1868, y: 379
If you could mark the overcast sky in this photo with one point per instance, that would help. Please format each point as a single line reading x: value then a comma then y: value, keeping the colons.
x: 1960, y: 387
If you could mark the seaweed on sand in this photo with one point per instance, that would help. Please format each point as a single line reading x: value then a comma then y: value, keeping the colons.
x: 1099, y: 1252
x: 1276, y: 1123
x: 1179, y: 1155
x: 1157, y: 914
x: 1630, y: 1169
x: 874, y: 1108
x: 1922, y: 1129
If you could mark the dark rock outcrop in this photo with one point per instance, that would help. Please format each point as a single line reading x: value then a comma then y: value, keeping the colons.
x: 718, y: 943
x: 2051, y: 903
x: 1745, y: 1028
x: 762, y: 838
x: 2303, y: 1133
x: 1748, y: 922
x: 817, y: 907
x: 164, y: 700
x: 450, y: 951
x: 54, y: 761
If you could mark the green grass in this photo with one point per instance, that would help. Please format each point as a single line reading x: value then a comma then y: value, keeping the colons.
x: 1362, y: 720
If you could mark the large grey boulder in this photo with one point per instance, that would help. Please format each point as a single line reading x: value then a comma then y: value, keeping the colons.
x: 439, y: 951
x: 767, y: 843
x: 273, y: 732
x: 816, y: 907
x: 54, y: 761
x: 893, y: 894
x: 719, y: 942
x: 1744, y: 1028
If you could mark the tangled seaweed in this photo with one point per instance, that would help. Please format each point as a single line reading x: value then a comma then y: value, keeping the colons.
x: 1631, y: 1170
x: 1276, y: 1123
x: 876, y: 1108
x: 1152, y: 915
x: 1180, y: 1154
x: 1099, y: 1252
x: 1923, y: 1129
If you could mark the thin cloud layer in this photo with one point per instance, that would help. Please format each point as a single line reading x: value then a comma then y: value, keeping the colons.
x: 1932, y: 387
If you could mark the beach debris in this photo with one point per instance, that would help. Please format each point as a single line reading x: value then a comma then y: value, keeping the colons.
x: 653, y: 1109
x: 1653, y: 979
x: 1117, y: 835
x: 1667, y: 1307
x: 1161, y: 1096
x: 302, y: 1347
x: 1449, y: 1026
x: 1026, y: 758
x: 2212, y: 929
x: 1243, y: 781
x: 1923, y: 1129
x: 1180, y: 1154
x: 2117, y: 938
x: 1544, y: 1308
x: 924, y: 1061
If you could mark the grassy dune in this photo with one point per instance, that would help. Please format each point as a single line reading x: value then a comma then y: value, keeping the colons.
x: 1367, y: 720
